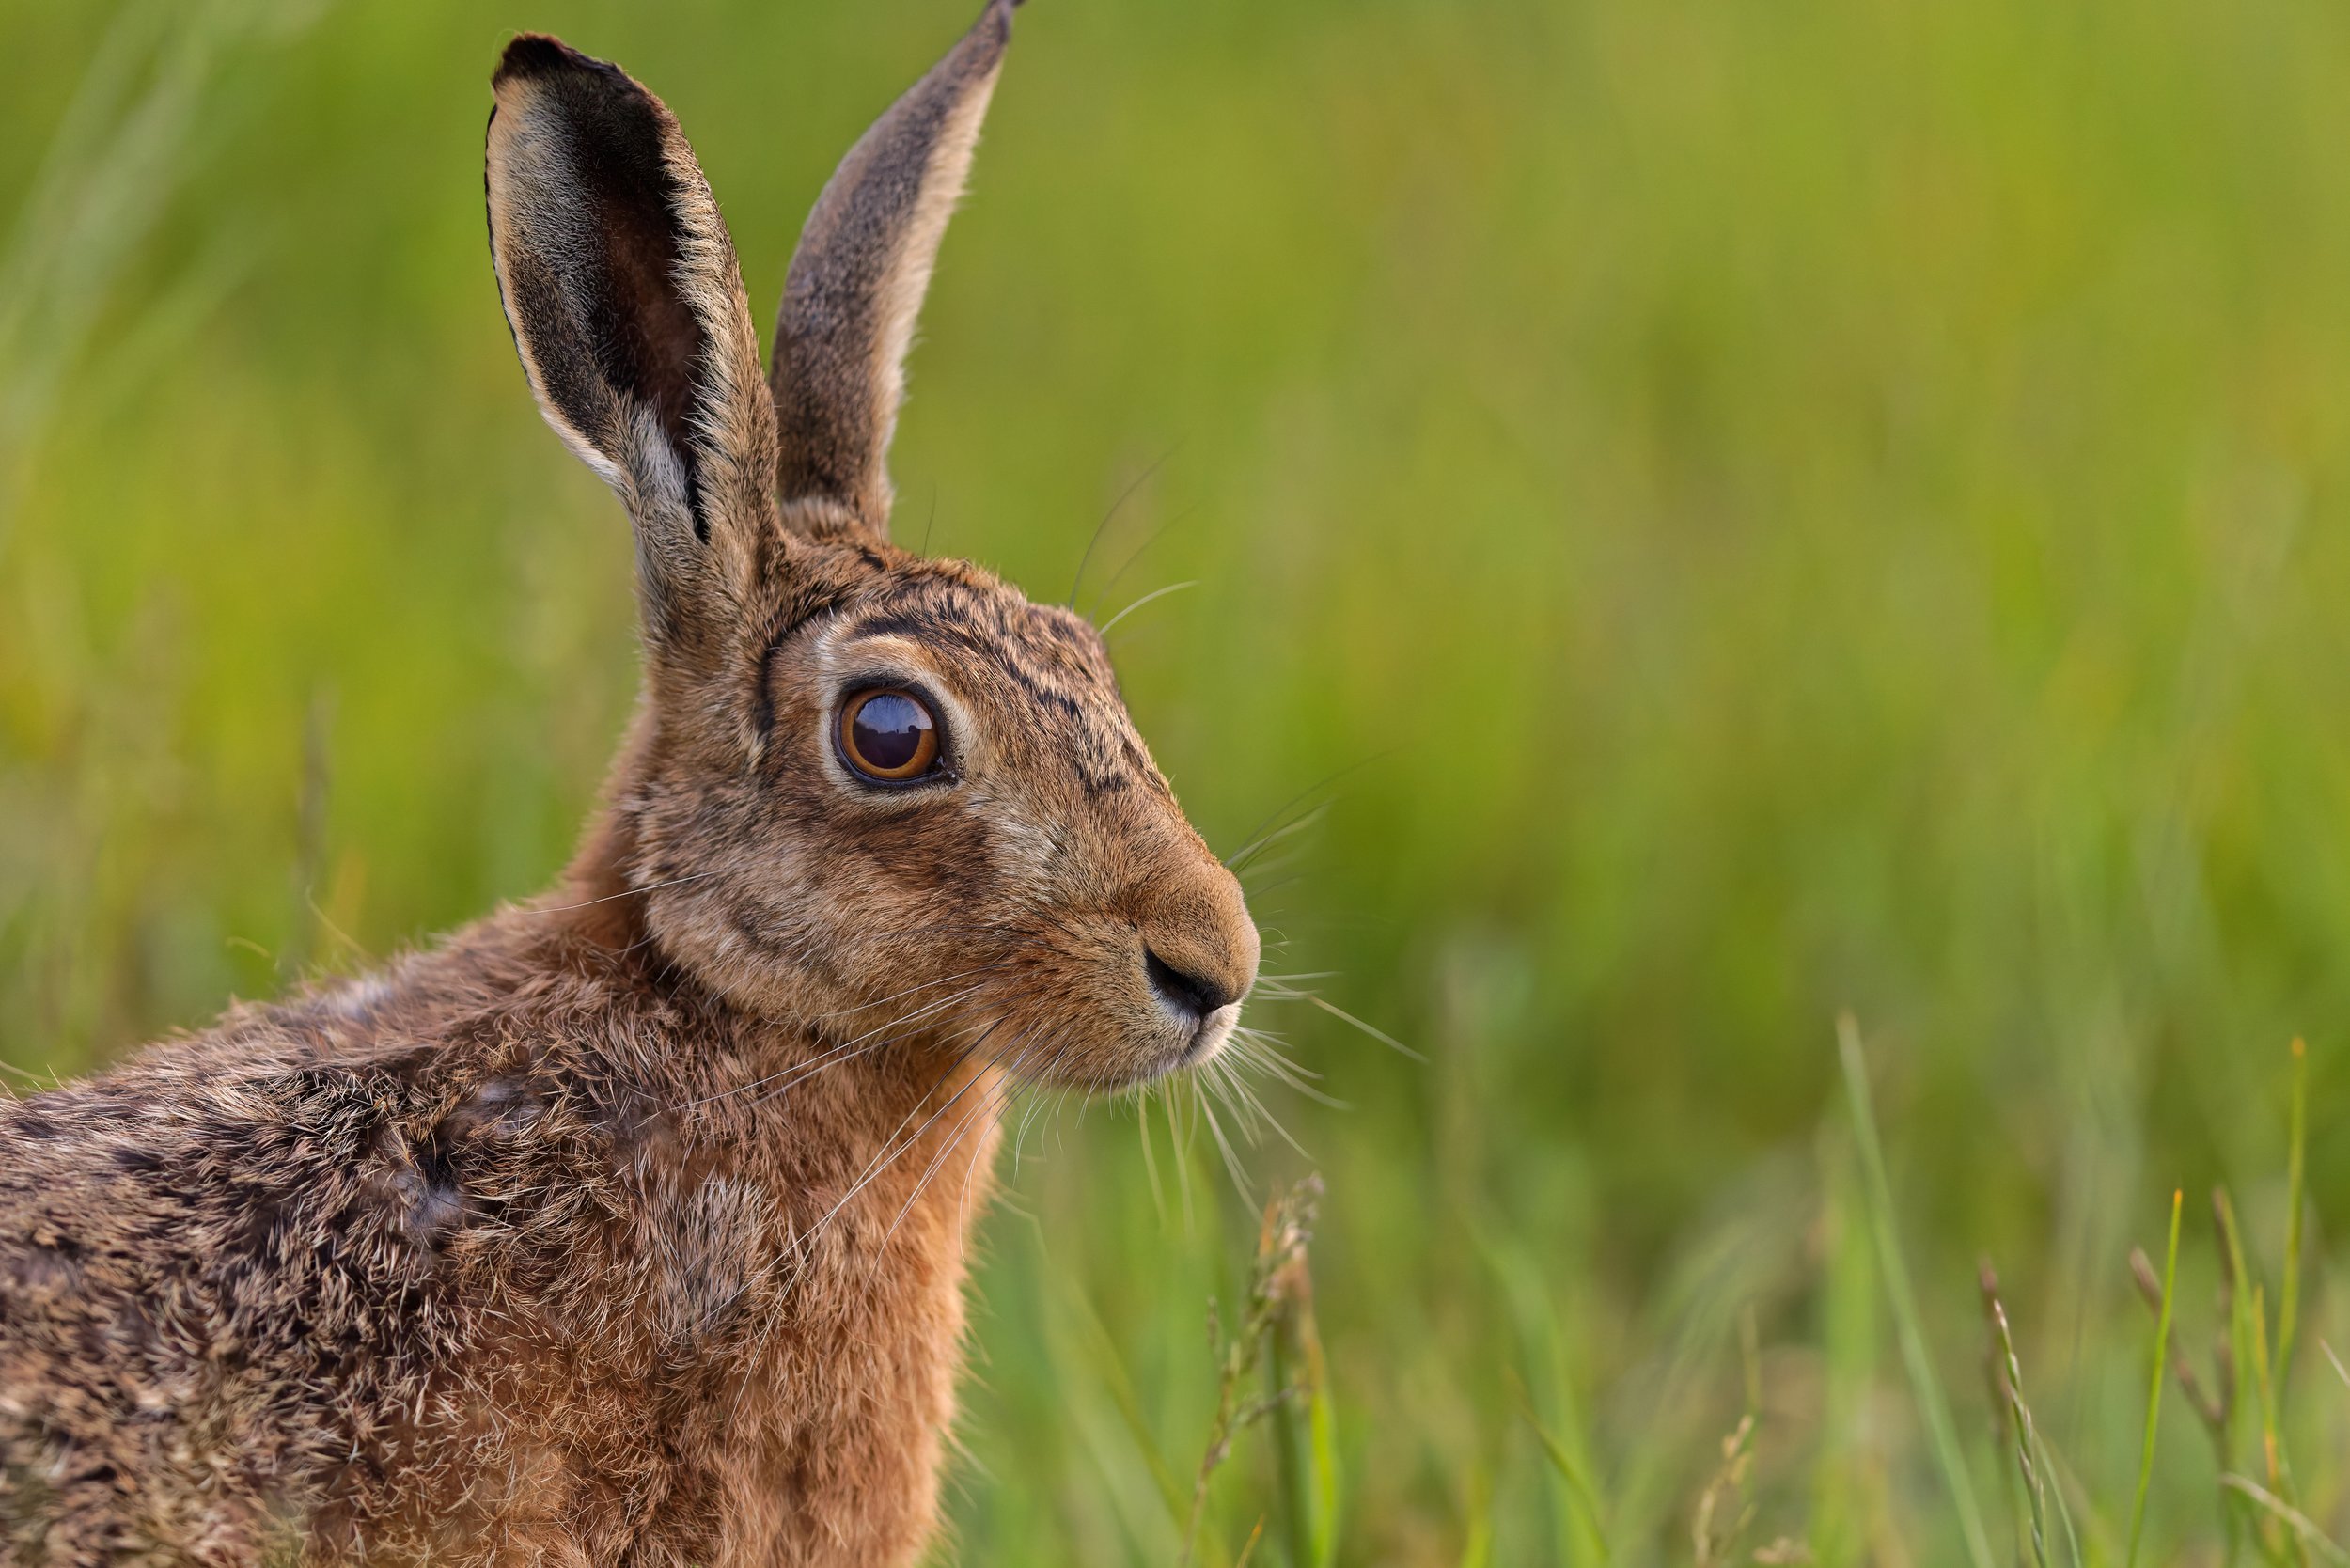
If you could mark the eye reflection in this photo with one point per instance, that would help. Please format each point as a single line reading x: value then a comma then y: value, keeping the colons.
x: 888, y: 735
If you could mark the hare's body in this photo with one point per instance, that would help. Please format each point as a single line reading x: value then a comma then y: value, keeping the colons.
x: 629, y: 1226
x: 509, y: 1254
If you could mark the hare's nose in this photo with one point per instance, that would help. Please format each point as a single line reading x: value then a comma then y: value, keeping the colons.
x: 1196, y: 994
x: 1199, y: 947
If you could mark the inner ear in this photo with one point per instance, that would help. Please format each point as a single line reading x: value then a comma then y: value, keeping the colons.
x: 647, y: 340
x: 620, y: 286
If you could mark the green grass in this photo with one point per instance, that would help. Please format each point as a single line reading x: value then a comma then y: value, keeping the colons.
x: 1757, y: 511
x: 2160, y: 1375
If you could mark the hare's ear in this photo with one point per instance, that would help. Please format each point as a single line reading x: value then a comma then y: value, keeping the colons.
x: 627, y: 308
x: 856, y: 283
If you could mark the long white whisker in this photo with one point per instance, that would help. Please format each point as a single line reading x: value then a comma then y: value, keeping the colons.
x: 911, y: 990
x: 1384, y: 1037
x: 890, y: 1155
x: 1154, y: 593
x: 999, y: 1096
x: 1231, y: 1161
x: 1149, y: 1159
x: 627, y: 892
x: 1183, y: 1156
x: 800, y: 1070
x: 1263, y: 841
x: 1258, y: 1112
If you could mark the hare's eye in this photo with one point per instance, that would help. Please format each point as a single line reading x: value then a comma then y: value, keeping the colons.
x: 888, y: 736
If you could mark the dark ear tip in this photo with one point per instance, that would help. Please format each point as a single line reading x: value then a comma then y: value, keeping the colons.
x: 995, y: 23
x: 534, y: 56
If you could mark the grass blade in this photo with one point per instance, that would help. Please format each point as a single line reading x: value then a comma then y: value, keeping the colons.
x: 1586, y: 1496
x: 2304, y: 1528
x: 1580, y: 1514
x: 2008, y: 1388
x: 1924, y: 1385
x: 1304, y: 1442
x: 1477, y: 1547
x: 1092, y: 1338
x: 2154, y: 1392
x: 2289, y: 1297
x: 2271, y: 1441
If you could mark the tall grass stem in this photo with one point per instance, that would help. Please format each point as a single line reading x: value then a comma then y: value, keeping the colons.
x: 2153, y: 1390
x: 1932, y: 1404
x: 2289, y: 1296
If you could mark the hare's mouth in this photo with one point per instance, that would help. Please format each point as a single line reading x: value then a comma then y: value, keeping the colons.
x: 1157, y: 1052
x: 1209, y: 1037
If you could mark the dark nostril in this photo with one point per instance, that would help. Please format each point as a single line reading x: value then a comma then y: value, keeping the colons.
x: 1189, y: 993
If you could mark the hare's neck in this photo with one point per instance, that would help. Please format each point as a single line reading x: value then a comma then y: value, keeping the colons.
x: 911, y: 1126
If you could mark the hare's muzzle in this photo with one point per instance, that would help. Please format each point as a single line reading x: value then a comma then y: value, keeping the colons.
x: 1198, y: 954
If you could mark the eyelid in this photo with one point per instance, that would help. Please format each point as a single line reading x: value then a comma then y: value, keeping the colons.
x: 855, y: 685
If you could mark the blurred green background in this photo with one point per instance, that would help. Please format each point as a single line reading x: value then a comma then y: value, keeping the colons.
x: 1739, y: 510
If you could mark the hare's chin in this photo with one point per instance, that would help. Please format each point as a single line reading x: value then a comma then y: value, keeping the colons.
x: 1215, y: 1029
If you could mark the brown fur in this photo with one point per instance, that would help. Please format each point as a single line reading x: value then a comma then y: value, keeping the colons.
x: 628, y: 1226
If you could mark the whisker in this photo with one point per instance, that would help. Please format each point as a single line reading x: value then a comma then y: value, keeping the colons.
x: 1260, y: 865
x: 891, y: 1154
x: 839, y: 1057
x: 1170, y: 1101
x: 800, y: 1070
x: 1303, y: 796
x: 1231, y: 1161
x: 1380, y: 1035
x: 1027, y: 1120
x: 943, y: 979
x: 625, y: 892
x: 1102, y: 528
x: 963, y: 1199
x: 1259, y: 1054
x: 1127, y: 565
x: 1149, y: 1159
x: 1000, y: 1094
x: 1154, y: 593
x: 1257, y: 1113
x: 1263, y: 841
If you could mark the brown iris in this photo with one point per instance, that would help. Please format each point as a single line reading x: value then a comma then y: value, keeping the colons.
x: 888, y: 735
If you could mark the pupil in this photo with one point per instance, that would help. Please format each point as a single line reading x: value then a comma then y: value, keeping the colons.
x: 888, y: 729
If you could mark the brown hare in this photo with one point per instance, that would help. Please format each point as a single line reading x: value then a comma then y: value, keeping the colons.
x: 628, y: 1225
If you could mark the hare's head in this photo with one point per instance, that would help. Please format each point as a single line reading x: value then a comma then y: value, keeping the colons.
x: 881, y: 793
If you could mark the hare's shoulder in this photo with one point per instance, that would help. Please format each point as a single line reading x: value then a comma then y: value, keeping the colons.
x: 226, y: 1222
x: 190, y: 1161
x: 192, y: 1244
